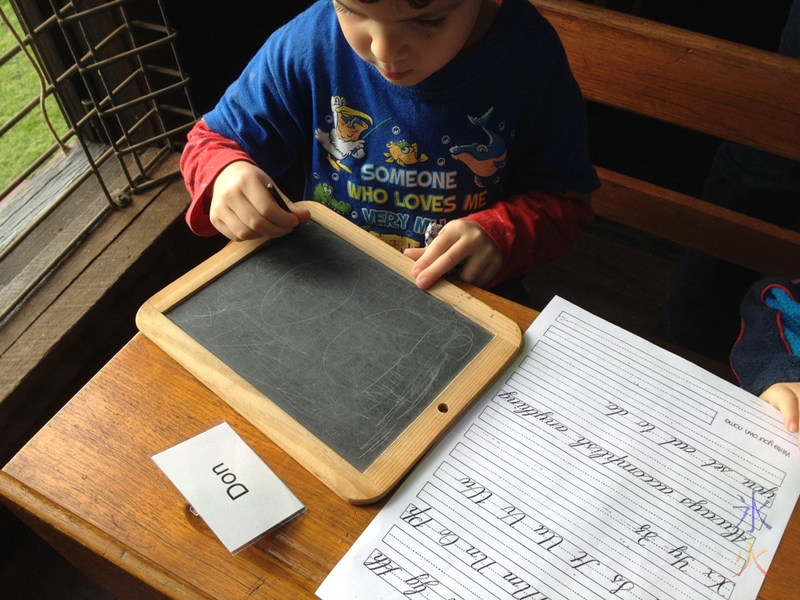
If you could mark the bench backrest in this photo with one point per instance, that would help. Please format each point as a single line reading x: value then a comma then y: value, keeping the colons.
x: 695, y: 81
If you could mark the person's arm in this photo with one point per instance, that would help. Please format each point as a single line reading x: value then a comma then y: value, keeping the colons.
x: 533, y: 228
x: 229, y: 191
x: 506, y: 240
x: 205, y: 155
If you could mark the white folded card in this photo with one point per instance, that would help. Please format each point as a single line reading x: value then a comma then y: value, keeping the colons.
x: 229, y: 486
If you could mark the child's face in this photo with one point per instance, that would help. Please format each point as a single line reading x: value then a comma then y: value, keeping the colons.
x: 407, y: 44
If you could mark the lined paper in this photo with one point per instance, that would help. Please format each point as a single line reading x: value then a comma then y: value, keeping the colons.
x: 599, y: 467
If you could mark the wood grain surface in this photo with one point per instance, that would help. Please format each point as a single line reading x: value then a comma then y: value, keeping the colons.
x: 86, y: 483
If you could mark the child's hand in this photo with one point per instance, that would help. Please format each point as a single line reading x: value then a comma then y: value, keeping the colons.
x: 458, y: 241
x: 786, y: 398
x: 243, y: 209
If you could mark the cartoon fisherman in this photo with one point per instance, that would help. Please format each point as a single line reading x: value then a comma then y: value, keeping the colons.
x: 345, y: 138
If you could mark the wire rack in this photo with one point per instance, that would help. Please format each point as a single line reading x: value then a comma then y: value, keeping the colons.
x: 125, y: 72
x: 113, y: 68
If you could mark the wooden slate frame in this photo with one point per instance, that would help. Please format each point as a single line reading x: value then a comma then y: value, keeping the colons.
x: 395, y: 461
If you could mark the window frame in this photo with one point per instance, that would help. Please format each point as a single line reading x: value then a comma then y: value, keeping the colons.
x: 113, y: 68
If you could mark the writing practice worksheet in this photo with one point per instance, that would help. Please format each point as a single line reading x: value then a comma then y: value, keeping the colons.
x: 599, y: 466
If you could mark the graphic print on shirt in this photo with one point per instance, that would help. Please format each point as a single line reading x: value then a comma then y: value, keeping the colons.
x: 345, y: 138
x: 484, y: 159
x: 398, y: 182
x: 404, y: 153
x: 323, y: 193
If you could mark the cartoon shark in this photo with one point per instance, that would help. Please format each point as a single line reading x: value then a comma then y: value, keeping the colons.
x: 483, y: 160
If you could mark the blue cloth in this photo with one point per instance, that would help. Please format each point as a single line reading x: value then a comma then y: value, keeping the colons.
x: 768, y: 348
x: 786, y: 305
x: 503, y: 117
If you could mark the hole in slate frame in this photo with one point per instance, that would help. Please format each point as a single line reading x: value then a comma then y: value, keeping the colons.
x: 443, y: 408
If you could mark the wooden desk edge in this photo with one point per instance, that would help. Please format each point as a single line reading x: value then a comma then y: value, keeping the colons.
x: 108, y: 562
x: 128, y: 573
x: 523, y: 316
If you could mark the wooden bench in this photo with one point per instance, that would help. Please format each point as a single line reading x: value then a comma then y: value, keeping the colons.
x: 723, y: 89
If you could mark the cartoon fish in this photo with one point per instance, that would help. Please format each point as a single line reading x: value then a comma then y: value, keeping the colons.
x: 404, y: 153
x: 484, y: 160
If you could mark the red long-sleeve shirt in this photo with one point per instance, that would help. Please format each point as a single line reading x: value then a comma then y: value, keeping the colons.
x: 529, y: 229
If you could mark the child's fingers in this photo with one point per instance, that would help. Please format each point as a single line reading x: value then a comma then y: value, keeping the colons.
x: 459, y: 244
x: 414, y: 253
x: 242, y: 208
x: 228, y: 222
x: 262, y: 212
x: 240, y: 220
x: 286, y: 205
x: 302, y: 214
x: 783, y: 397
x: 438, y: 259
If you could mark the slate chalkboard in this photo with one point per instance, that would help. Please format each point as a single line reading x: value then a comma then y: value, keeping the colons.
x: 345, y: 346
x: 323, y: 341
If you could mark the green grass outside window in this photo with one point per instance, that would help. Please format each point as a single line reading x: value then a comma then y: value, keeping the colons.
x: 31, y: 137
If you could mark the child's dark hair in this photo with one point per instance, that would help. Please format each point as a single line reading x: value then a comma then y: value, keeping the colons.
x: 412, y: 3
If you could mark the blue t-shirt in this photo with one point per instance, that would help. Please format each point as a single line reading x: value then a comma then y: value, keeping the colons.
x: 504, y: 117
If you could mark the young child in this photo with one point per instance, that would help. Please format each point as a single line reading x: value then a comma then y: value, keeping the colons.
x: 766, y: 357
x: 406, y: 114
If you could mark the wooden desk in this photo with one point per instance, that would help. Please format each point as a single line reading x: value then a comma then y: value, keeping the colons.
x: 86, y: 484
